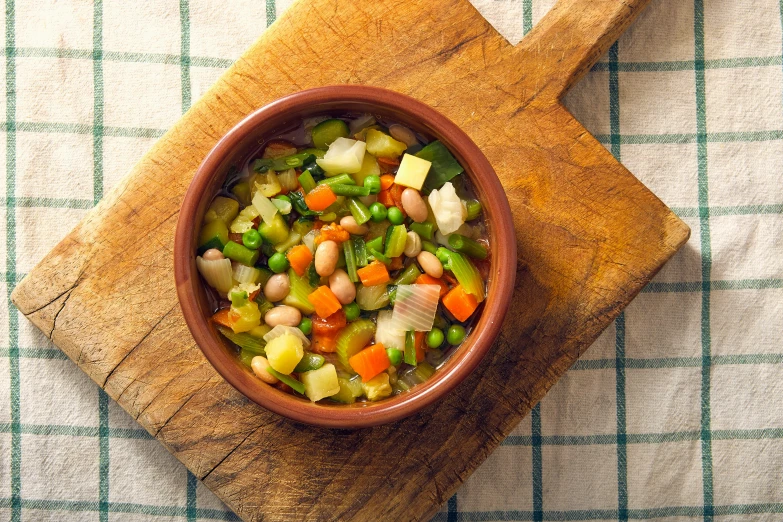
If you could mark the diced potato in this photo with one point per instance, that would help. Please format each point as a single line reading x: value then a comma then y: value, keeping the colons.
x: 222, y: 208
x: 344, y: 155
x: 249, y: 317
x: 260, y: 331
x: 320, y: 383
x: 369, y: 168
x: 284, y: 353
x: 378, y: 387
x: 383, y: 146
x: 412, y: 172
x: 244, y: 221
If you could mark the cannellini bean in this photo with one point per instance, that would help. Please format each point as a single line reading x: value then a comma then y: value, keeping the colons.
x: 403, y: 134
x: 285, y: 315
x: 369, y: 200
x: 213, y: 254
x: 277, y: 287
x: 414, y: 205
x: 259, y: 364
x: 350, y: 224
x: 342, y: 287
x: 430, y: 264
x: 412, y: 244
x: 326, y: 258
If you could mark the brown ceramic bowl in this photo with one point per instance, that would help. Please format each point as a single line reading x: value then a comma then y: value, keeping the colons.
x: 234, y: 148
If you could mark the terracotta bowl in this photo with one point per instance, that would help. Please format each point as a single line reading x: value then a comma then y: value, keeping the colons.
x: 234, y: 148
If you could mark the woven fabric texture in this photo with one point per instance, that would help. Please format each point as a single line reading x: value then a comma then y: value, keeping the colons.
x: 676, y: 412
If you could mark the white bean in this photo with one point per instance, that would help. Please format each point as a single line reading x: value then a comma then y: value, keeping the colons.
x: 277, y: 287
x: 285, y: 315
x: 414, y: 205
x: 412, y: 244
x: 213, y: 254
x: 342, y: 287
x: 430, y: 264
x: 350, y: 224
x: 259, y: 364
x: 326, y: 258
x: 403, y: 134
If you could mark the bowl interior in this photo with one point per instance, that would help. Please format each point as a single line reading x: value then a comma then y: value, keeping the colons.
x: 234, y: 149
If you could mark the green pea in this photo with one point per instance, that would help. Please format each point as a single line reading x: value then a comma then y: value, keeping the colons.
x: 251, y: 239
x: 378, y: 212
x: 455, y: 334
x: 373, y: 183
x: 435, y: 338
x: 278, y: 263
x: 352, y: 311
x: 394, y: 215
x: 395, y: 356
x: 306, y: 325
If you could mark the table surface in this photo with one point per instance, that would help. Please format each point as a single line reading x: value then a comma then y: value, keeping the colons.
x: 676, y: 411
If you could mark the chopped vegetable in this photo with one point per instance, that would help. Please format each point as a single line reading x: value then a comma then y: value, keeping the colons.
x: 246, y: 317
x: 409, y: 275
x: 280, y: 330
x: 370, y: 362
x: 353, y: 339
x: 415, y: 307
x: 350, y: 261
x: 444, y: 166
x: 324, y: 301
x: 369, y: 168
x: 297, y: 386
x: 412, y: 172
x: 344, y: 155
x: 350, y: 389
x: 307, y: 181
x: 300, y: 258
x: 275, y: 232
x: 387, y: 334
x: 378, y: 387
x: 310, y: 362
x: 425, y: 230
x: 467, y: 246
x: 330, y: 325
x: 284, y: 163
x: 243, y: 340
x: 217, y: 273
x: 372, y: 297
x: 396, y: 242
x: 374, y: 274
x: 267, y: 184
x: 224, y: 318
x: 297, y: 295
x: 326, y: 132
x: 324, y: 343
x: 447, y: 209
x: 320, y: 383
x: 246, y: 274
x: 240, y: 253
x: 467, y: 275
x: 222, y: 208
x: 292, y: 239
x: 320, y: 198
x: 460, y: 303
x: 382, y: 145
x: 426, y: 279
x: 359, y: 211
x: 284, y: 353
x: 409, y: 356
x: 213, y: 235
x: 333, y: 232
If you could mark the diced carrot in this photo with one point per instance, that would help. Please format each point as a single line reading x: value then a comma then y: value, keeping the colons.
x: 324, y: 344
x: 320, y: 198
x: 224, y: 317
x: 374, y: 274
x: 385, y: 198
x: 418, y: 338
x: 324, y: 301
x: 387, y: 180
x: 396, y: 263
x: 300, y: 258
x: 370, y: 362
x: 460, y: 303
x: 426, y: 279
x: 331, y: 325
x: 318, y: 225
x: 333, y: 232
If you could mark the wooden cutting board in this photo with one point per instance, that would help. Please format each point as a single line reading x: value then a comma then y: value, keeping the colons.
x: 590, y: 236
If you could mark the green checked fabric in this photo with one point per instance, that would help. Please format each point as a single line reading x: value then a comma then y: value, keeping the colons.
x: 676, y: 413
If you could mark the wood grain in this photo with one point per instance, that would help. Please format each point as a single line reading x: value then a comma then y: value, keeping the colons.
x: 590, y: 236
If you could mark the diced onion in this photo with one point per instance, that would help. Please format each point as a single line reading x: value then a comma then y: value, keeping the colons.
x: 217, y: 273
x: 246, y: 274
x: 344, y: 155
x: 281, y: 330
x: 283, y: 206
x: 415, y: 307
x: 309, y: 239
x: 244, y: 221
x: 288, y: 180
x: 386, y: 334
x: 266, y: 209
x: 447, y: 208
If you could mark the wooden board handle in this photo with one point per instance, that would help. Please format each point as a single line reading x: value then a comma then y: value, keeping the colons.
x: 568, y: 41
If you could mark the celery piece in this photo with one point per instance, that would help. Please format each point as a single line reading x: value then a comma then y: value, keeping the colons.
x: 307, y: 181
x: 310, y: 361
x: 293, y: 240
x: 417, y: 375
x: 395, y: 244
x: 327, y: 131
x: 410, y: 348
x: 359, y: 211
x: 342, y: 179
x: 213, y: 235
x: 279, y: 164
x: 244, y: 340
x: 263, y: 305
x: 352, y: 339
x: 467, y: 246
x: 408, y: 276
x: 372, y: 297
x: 297, y: 295
x: 350, y: 261
x: 276, y: 231
x: 345, y: 395
x: 444, y: 165
x: 425, y: 230
x: 427, y: 246
x: 360, y: 250
x: 224, y: 209
x: 287, y: 379
x: 467, y: 274
x: 474, y: 209
x: 240, y: 253
x: 246, y: 357
x: 312, y: 276
x: 375, y: 244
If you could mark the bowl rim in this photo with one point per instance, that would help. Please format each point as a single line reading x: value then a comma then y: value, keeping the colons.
x: 458, y: 366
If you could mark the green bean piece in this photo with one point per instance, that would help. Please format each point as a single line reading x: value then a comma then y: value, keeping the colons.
x: 435, y: 338
x: 373, y: 183
x: 467, y: 246
x: 408, y: 276
x: 394, y: 215
x: 444, y: 256
x: 278, y: 263
x: 375, y: 244
x: 378, y: 212
x: 428, y: 246
x: 287, y: 379
x: 360, y: 250
x: 425, y: 230
x: 263, y: 305
x: 309, y: 362
x: 474, y: 209
x: 359, y: 212
x: 342, y: 179
x: 306, y: 325
x: 350, y: 261
x: 410, y: 348
x: 395, y: 356
x: 352, y: 311
x: 240, y: 253
x: 380, y: 257
x: 307, y: 181
x: 455, y: 334
x: 350, y: 190
x: 251, y: 239
x: 293, y: 161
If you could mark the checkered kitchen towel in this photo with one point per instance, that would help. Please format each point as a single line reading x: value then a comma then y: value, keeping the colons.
x: 675, y: 413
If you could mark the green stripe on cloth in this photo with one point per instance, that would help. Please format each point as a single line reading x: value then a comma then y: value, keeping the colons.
x: 120, y: 507
x: 191, y: 503
x: 184, y: 18
x: 527, y: 16
x: 115, y: 56
x: 643, y: 438
x: 715, y: 137
x: 271, y: 12
x: 690, y: 65
x: 678, y: 362
x: 78, y: 431
x: 538, y: 486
